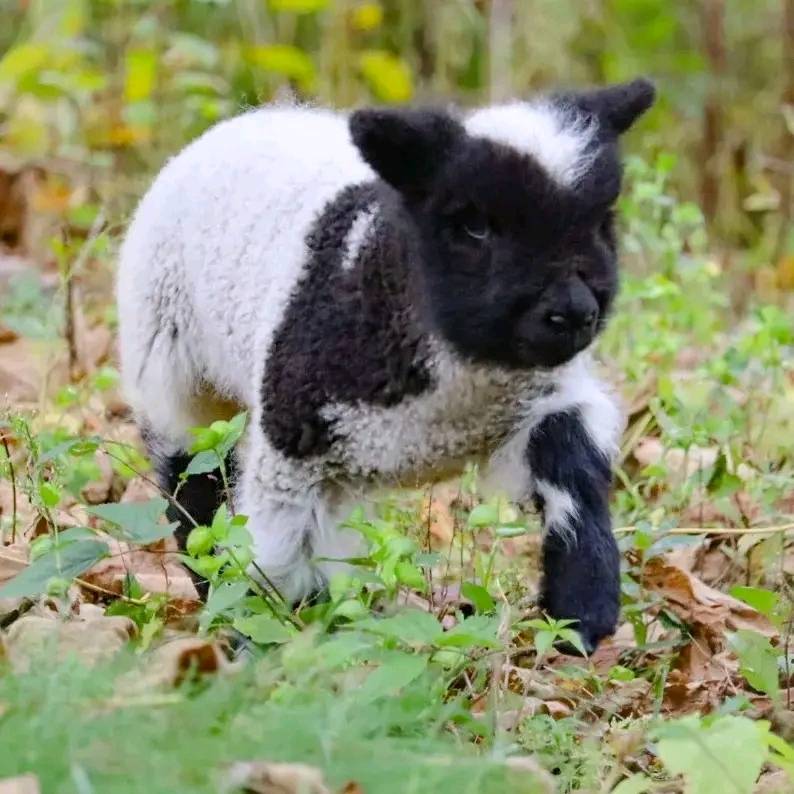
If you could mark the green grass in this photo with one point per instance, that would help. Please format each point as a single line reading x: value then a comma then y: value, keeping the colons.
x: 83, y: 730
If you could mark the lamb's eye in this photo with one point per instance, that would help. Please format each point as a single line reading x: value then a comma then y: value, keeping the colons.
x: 479, y: 232
x: 471, y: 224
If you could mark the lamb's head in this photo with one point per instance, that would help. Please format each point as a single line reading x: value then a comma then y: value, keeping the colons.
x: 511, y: 210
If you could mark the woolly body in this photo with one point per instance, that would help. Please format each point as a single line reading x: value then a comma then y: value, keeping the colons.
x: 262, y: 270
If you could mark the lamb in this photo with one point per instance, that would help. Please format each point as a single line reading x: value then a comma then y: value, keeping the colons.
x: 390, y: 294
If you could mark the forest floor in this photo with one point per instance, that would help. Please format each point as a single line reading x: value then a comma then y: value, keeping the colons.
x: 431, y: 669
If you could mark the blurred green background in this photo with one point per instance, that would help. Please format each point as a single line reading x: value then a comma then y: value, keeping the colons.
x: 111, y: 87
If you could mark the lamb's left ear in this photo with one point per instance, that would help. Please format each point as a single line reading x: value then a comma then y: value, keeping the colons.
x: 619, y: 106
x: 406, y: 148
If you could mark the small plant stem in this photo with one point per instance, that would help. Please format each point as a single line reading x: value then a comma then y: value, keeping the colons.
x: 12, y: 477
x: 95, y: 588
x: 715, y: 530
x: 149, y: 480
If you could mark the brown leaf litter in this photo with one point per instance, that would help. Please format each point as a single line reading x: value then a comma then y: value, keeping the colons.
x: 90, y: 635
x: 23, y: 784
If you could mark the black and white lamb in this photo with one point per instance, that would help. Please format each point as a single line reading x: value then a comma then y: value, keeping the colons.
x: 389, y: 293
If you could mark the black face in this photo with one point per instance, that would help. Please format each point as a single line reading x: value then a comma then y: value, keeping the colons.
x: 516, y: 268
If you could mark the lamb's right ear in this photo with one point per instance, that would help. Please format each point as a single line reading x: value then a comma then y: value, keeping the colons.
x: 406, y: 148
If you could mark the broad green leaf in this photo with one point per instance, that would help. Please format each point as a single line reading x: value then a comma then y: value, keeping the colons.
x: 484, y: 515
x: 263, y: 629
x: 49, y: 493
x: 23, y: 59
x: 411, y: 627
x: 203, y: 462
x: 715, y: 757
x: 574, y: 638
x: 65, y: 563
x: 543, y: 641
x: 478, y: 596
x: 141, y: 75
x: 387, y: 76
x: 226, y: 595
x: 298, y: 6
x: 366, y: 16
x: 396, y: 672
x: 479, y: 631
x: 757, y: 660
x: 138, y: 522
x: 285, y: 60
x: 765, y: 601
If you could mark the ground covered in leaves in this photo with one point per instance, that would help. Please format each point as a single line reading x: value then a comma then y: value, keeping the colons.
x: 429, y: 669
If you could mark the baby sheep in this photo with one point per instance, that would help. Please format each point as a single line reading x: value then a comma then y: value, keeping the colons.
x: 389, y: 294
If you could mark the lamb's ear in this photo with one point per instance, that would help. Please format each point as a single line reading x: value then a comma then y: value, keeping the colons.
x: 619, y: 106
x: 406, y: 148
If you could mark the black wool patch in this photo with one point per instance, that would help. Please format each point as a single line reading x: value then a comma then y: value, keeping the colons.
x: 348, y: 335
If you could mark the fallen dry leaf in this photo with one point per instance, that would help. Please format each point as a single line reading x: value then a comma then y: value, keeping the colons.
x: 351, y: 787
x: 263, y: 777
x: 177, y: 659
x: 90, y: 636
x: 23, y: 373
x: 24, y: 784
x: 155, y: 569
x: 700, y: 605
x: 681, y: 463
x: 13, y: 559
x: 139, y: 490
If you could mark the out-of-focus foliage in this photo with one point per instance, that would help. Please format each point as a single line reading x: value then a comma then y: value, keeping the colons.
x: 124, y: 82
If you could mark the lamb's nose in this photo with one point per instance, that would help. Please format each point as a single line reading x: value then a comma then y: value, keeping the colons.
x: 574, y: 319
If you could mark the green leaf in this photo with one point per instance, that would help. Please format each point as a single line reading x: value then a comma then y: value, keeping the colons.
x: 263, y: 629
x: 298, y: 6
x: 573, y: 637
x: 203, y: 462
x: 484, y: 515
x: 387, y: 76
x: 543, y: 641
x: 411, y: 627
x: 68, y: 562
x: 226, y: 595
x: 137, y: 522
x: 285, y: 60
x: 396, y: 672
x: 715, y: 757
x: 478, y: 596
x: 765, y: 601
x: 478, y: 631
x: 50, y: 494
x: 757, y: 660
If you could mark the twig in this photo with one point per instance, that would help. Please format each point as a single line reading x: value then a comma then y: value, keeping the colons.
x: 714, y: 530
x: 95, y: 588
x: 13, y: 478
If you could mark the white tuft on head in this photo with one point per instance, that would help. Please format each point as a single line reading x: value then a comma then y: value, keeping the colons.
x: 555, y: 137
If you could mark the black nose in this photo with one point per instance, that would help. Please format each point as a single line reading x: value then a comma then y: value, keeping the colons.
x: 574, y: 318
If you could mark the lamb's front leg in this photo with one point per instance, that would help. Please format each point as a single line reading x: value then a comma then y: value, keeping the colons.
x: 569, y: 454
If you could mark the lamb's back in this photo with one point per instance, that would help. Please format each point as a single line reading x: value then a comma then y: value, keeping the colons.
x: 218, y: 243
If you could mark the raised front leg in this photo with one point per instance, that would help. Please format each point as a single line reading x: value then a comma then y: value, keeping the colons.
x: 569, y: 453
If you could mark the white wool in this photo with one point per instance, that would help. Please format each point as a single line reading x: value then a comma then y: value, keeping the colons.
x: 359, y: 230
x: 559, y: 510
x: 559, y: 141
x: 212, y: 256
